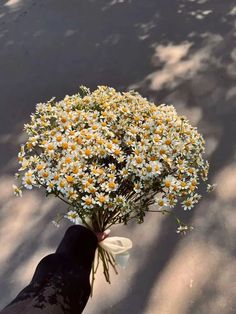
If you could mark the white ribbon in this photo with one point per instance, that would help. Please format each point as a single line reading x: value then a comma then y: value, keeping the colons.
x: 119, y: 248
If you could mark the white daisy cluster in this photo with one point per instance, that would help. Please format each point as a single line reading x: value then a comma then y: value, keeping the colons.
x: 110, y: 155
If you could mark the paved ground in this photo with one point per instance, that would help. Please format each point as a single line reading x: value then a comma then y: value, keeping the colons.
x: 181, y: 52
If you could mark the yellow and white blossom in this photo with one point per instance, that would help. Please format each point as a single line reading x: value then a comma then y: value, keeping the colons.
x: 107, y: 154
x: 17, y: 190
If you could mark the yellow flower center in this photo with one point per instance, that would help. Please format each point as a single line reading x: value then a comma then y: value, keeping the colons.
x: 92, y: 189
x: 129, y: 143
x: 101, y: 199
x: 192, y: 188
x: 167, y: 184
x: 100, y: 171
x: 70, y: 179
x: 111, y: 185
x: 87, y: 152
x: 113, y: 167
x: 117, y: 152
x: 62, y: 184
x: 74, y: 215
x: 63, y: 119
x: 50, y: 146
x: 88, y: 201
x: 102, y: 152
x: 75, y: 170
x: 39, y: 167
x: 139, y: 160
x: 65, y: 145
x: 188, y: 203
x: 28, y: 181
x: 68, y: 160
x: 45, y: 174
x: 79, y: 140
x: 190, y: 170
x: 157, y: 168
x: 115, y: 140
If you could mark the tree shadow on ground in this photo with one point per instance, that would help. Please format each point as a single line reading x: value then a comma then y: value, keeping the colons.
x: 174, y: 51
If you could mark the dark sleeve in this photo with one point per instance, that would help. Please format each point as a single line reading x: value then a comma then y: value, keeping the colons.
x: 60, y: 283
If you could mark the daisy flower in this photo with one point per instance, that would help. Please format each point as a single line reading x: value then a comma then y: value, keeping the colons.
x: 17, y: 190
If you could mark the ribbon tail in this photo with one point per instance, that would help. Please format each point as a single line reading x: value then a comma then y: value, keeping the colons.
x: 122, y: 259
x: 119, y: 248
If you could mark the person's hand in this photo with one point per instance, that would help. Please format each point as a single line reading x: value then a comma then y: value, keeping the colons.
x: 102, y: 235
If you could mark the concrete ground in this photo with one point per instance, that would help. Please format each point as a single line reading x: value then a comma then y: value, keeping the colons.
x: 172, y: 51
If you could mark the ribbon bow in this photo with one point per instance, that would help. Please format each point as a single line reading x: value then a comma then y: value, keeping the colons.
x: 117, y: 246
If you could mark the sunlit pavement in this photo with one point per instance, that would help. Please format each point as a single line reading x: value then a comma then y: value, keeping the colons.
x: 179, y: 52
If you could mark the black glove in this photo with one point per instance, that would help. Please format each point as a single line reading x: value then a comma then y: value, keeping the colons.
x: 61, y: 280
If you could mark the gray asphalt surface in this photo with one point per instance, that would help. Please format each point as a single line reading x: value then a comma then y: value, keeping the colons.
x: 180, y: 52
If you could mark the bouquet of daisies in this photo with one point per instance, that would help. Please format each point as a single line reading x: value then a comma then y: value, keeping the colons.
x: 109, y: 156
